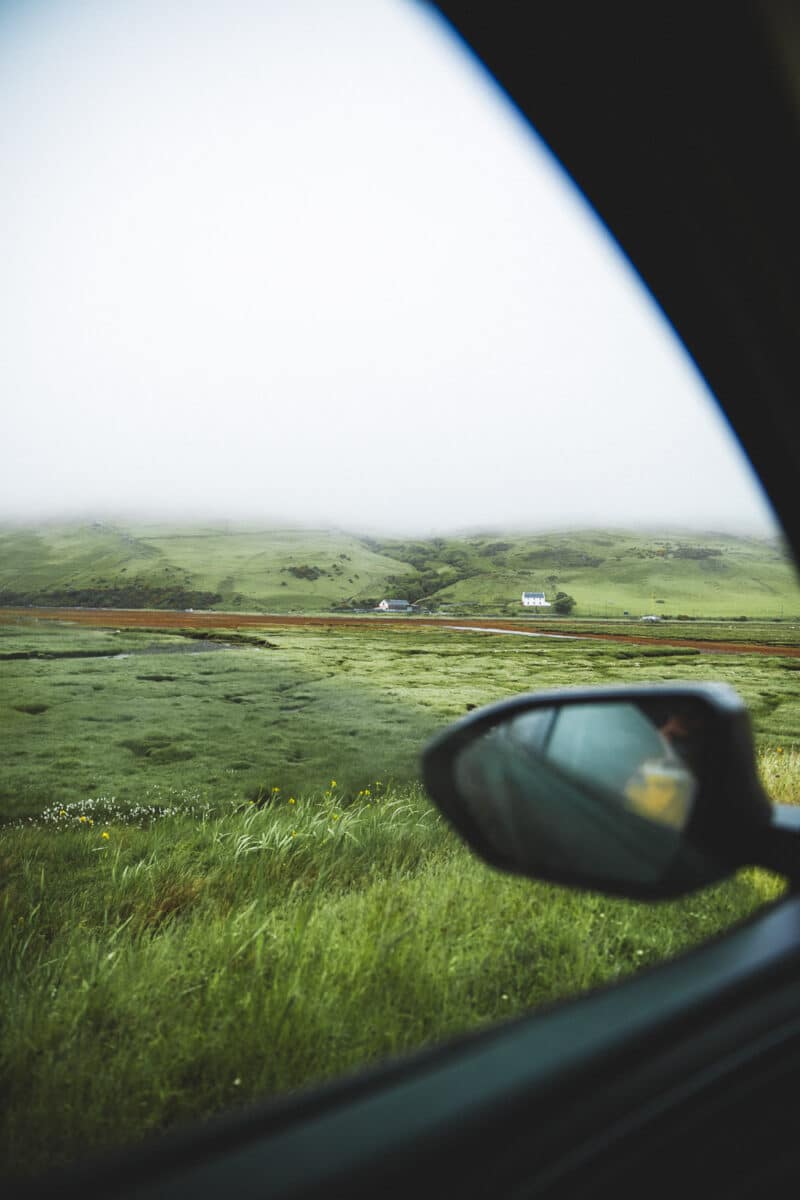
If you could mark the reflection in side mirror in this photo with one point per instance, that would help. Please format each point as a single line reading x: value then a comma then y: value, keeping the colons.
x: 616, y: 790
x: 590, y: 788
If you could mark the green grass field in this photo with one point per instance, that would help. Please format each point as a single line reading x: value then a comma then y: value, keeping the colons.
x: 752, y: 631
x: 220, y: 878
x: 156, y: 974
x: 295, y: 570
x: 176, y: 717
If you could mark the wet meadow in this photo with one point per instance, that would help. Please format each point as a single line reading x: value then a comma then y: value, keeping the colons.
x: 221, y: 879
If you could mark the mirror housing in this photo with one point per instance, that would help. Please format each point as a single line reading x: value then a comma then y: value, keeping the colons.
x: 646, y: 792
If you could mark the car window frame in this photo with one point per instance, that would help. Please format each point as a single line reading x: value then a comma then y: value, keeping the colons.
x: 751, y: 974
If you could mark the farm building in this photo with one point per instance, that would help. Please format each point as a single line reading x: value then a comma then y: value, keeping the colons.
x: 534, y: 600
x: 395, y: 606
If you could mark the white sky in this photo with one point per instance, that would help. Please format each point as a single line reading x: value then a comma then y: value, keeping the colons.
x: 301, y: 260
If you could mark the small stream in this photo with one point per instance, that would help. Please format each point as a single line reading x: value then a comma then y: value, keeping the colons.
x: 204, y: 646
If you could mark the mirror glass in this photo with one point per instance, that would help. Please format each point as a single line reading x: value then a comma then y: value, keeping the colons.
x: 590, y: 793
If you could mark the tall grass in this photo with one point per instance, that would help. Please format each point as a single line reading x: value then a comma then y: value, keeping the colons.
x: 214, y: 925
x: 163, y: 965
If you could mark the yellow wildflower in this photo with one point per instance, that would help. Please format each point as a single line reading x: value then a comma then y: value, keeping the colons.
x: 292, y: 800
x: 333, y: 783
x: 780, y: 749
x: 105, y: 835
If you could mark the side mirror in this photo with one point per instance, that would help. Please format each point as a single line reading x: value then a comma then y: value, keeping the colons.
x: 645, y: 792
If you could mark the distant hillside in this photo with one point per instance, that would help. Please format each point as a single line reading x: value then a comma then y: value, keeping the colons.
x: 171, y: 567
x: 606, y: 572
x: 295, y: 570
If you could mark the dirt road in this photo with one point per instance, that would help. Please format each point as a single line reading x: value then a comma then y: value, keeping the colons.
x: 119, y: 618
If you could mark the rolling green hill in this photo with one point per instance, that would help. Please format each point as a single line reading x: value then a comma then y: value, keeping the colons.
x: 281, y: 570
x: 300, y: 570
x: 607, y: 573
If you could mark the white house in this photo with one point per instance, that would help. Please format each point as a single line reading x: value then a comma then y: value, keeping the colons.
x: 394, y: 606
x: 534, y: 600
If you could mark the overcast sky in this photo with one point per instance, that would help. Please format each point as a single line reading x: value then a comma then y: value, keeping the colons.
x: 300, y: 260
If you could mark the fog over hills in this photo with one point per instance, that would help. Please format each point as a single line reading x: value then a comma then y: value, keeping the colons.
x: 307, y: 260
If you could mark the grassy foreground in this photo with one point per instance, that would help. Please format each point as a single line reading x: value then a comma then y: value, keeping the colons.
x: 242, y: 908
x: 162, y: 967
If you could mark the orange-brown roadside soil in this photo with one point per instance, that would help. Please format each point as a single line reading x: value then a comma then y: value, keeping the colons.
x: 128, y: 618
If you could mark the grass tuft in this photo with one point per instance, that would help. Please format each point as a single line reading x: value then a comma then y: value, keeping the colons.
x: 162, y: 963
